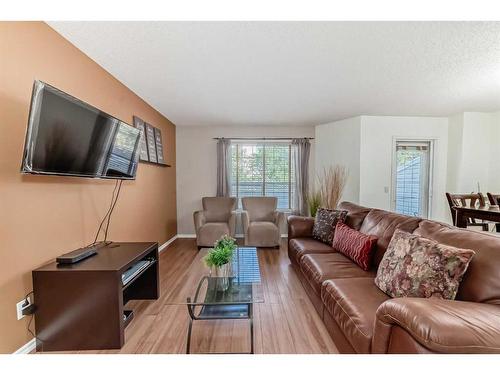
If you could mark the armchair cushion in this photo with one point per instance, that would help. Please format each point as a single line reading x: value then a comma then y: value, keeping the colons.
x: 260, y: 208
x: 262, y: 234
x: 211, y: 232
x: 215, y: 220
x: 439, y: 325
x: 218, y: 209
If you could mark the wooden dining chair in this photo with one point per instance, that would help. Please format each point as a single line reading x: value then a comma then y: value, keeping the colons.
x: 495, y: 201
x: 467, y: 200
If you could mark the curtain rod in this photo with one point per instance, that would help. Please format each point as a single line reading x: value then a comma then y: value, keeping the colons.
x: 263, y: 138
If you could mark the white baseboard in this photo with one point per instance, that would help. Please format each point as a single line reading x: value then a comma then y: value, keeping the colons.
x: 166, y: 244
x: 186, y: 235
x: 27, y: 348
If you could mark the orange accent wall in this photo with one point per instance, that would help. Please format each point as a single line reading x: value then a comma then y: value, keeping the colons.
x: 44, y: 216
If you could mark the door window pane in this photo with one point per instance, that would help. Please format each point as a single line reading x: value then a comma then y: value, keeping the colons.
x: 412, y: 178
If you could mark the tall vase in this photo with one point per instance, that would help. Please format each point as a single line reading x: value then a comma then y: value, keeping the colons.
x: 223, y: 274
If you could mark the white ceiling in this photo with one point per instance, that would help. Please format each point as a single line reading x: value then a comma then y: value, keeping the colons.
x: 298, y: 73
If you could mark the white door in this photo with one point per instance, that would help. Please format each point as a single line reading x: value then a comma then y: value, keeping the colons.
x: 411, y: 177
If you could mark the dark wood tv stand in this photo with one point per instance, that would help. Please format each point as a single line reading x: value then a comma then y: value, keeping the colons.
x: 81, y: 306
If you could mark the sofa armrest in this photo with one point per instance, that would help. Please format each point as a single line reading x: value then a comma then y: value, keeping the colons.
x: 199, y: 220
x: 300, y: 226
x: 442, y: 326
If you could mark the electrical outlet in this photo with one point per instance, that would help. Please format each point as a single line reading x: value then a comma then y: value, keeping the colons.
x: 19, y: 307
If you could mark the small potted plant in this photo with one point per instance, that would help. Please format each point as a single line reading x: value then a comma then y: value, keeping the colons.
x: 314, y: 202
x: 219, y: 260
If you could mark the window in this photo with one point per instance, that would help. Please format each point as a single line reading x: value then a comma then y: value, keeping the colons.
x: 262, y: 169
x: 411, y: 177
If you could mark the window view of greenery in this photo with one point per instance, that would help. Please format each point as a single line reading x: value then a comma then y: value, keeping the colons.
x: 262, y: 169
x: 410, y: 177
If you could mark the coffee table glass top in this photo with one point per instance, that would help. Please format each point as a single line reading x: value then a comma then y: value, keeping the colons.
x: 243, y: 286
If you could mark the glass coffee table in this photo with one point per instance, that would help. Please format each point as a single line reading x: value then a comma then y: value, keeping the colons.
x: 217, y: 298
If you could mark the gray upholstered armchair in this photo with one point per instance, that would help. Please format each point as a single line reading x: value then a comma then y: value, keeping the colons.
x: 261, y: 221
x: 215, y: 220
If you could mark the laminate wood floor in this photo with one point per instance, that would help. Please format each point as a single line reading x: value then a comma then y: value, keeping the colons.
x: 285, y: 323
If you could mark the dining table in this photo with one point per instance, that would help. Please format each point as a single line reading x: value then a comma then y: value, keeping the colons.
x: 488, y: 213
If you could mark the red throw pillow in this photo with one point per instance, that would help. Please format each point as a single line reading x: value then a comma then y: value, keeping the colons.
x: 354, y: 245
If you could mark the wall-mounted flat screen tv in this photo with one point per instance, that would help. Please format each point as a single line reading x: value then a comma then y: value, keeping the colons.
x: 66, y: 136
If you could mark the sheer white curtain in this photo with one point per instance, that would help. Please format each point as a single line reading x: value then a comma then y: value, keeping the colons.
x: 301, y: 148
x: 223, y: 167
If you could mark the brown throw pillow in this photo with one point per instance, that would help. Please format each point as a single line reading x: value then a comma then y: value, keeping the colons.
x: 415, y: 266
x: 324, y: 225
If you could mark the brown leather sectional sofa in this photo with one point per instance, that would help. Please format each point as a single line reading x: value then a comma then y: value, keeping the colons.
x: 362, y: 319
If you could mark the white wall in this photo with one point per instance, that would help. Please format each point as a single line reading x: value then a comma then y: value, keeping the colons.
x: 476, y: 151
x: 377, y: 138
x: 339, y: 143
x: 455, y: 136
x: 494, y: 177
x: 365, y: 145
x: 473, y: 152
x: 197, y: 163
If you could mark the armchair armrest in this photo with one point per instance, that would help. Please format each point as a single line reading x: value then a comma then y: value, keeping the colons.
x: 232, y: 223
x: 442, y: 326
x: 245, y: 221
x: 278, y: 218
x: 199, y: 219
x: 300, y: 226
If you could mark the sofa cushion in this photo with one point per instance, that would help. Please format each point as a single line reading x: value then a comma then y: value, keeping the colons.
x: 414, y: 266
x: 298, y: 247
x: 481, y: 282
x: 353, y: 304
x: 382, y: 224
x: 317, y: 268
x: 355, y: 245
x: 325, y: 222
x: 355, y: 214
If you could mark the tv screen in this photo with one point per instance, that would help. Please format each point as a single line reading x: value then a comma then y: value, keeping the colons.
x: 66, y: 136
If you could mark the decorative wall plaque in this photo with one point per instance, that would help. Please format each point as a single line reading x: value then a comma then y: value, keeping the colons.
x: 143, y: 146
x: 150, y: 139
x: 159, y: 146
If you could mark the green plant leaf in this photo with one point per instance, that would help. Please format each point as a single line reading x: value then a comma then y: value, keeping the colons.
x: 222, y: 253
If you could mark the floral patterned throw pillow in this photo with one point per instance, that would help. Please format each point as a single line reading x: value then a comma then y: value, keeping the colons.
x: 415, y: 266
x: 324, y: 225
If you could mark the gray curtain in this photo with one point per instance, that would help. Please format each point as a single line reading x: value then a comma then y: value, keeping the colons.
x: 301, y: 148
x: 223, y: 167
